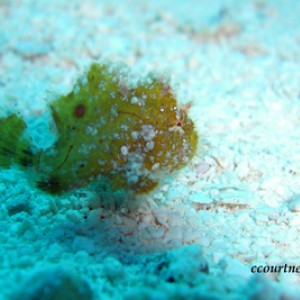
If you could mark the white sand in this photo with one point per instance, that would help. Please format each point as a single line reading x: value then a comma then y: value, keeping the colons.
x: 239, y: 61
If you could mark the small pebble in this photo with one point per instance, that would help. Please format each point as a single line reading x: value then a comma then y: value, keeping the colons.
x: 55, y: 283
x: 294, y: 205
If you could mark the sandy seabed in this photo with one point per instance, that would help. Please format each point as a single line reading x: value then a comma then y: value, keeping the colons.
x: 197, y: 236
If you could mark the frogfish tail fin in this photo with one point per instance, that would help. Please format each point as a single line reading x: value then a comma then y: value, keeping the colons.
x: 14, y: 146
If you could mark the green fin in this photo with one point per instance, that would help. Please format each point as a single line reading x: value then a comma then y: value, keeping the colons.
x: 14, y: 147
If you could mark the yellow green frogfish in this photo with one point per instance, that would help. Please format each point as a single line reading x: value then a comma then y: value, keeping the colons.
x: 108, y: 127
